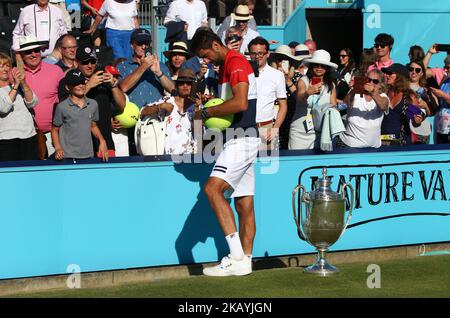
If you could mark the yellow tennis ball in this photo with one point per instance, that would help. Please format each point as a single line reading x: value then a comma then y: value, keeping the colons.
x: 130, y: 115
x: 219, y: 123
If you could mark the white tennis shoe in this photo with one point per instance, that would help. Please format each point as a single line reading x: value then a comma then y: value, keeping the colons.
x: 230, y: 267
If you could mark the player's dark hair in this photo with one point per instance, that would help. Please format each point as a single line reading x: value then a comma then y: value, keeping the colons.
x: 203, y: 39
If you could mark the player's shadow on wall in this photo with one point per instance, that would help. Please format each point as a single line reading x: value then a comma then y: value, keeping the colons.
x: 201, y: 222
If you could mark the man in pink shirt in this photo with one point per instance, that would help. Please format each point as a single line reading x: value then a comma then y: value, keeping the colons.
x: 43, y: 79
x: 383, y: 47
x: 43, y: 20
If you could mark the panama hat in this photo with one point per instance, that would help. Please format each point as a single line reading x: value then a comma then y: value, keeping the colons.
x: 29, y: 42
x: 180, y: 47
x: 320, y: 57
x: 301, y: 52
x: 283, y: 51
x: 241, y: 13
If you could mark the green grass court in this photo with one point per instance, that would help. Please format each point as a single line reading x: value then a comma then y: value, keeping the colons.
x: 414, y: 277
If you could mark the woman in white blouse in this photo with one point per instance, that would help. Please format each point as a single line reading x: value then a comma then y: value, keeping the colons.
x: 121, y: 21
x: 17, y: 133
x: 365, y: 114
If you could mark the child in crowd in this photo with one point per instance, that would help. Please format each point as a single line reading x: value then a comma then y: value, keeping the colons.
x: 74, y: 121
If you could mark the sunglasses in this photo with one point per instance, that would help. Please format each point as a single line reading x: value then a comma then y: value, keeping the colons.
x: 318, y: 66
x: 415, y: 69
x: 141, y: 43
x: 90, y: 61
x: 373, y: 80
x: 36, y: 50
x: 378, y: 45
x: 343, y: 55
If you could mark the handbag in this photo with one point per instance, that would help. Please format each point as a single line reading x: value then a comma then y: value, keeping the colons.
x: 150, y: 135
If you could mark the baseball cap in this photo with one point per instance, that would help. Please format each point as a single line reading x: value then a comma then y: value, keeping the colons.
x: 85, y: 53
x: 112, y: 70
x: 141, y: 35
x: 397, y: 68
x: 74, y: 77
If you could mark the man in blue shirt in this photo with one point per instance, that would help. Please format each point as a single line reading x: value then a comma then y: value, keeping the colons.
x: 144, y: 77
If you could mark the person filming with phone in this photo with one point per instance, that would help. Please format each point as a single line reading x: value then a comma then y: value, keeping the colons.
x: 442, y: 77
x: 313, y: 90
x: 365, y: 113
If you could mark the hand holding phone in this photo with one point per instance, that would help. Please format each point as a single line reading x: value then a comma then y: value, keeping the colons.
x: 316, y: 81
x: 358, y: 86
x: 443, y: 47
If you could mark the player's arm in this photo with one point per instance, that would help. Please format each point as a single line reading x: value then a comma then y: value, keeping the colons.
x: 238, y: 103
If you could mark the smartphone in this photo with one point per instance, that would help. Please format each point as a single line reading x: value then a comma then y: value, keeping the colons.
x: 359, y: 82
x: 285, y: 66
x: 443, y: 47
x: 147, y: 52
x: 316, y: 80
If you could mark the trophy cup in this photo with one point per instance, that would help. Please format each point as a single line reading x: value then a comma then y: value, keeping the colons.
x: 324, y: 222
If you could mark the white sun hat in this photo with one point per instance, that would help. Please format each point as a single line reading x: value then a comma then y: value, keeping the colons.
x: 242, y: 13
x: 29, y: 42
x: 301, y: 52
x: 283, y: 51
x: 320, y: 57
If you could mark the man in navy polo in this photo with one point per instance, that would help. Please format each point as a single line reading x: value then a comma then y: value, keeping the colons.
x: 144, y: 77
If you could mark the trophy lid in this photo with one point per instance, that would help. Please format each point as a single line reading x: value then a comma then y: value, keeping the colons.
x: 323, y: 189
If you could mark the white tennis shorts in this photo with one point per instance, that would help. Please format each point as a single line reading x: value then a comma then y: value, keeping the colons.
x: 235, y: 165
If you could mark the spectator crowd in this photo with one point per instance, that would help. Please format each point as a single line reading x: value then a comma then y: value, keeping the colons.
x: 61, y: 94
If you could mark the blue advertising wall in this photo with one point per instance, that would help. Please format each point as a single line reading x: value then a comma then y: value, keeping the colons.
x: 132, y: 213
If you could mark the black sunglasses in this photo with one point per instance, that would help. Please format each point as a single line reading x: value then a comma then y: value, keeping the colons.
x: 36, y: 50
x: 90, y: 61
x: 415, y: 69
x: 343, y: 55
x: 377, y: 45
x: 141, y: 43
x: 373, y: 80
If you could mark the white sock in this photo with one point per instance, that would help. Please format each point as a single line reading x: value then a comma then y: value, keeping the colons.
x: 234, y: 243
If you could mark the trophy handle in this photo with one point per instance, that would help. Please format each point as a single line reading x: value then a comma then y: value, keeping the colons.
x: 352, y: 198
x: 294, y: 210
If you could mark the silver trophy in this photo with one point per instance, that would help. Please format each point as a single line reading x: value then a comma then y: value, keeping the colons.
x: 324, y: 221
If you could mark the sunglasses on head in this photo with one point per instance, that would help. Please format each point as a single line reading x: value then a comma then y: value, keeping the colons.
x: 373, y: 80
x: 377, y: 45
x: 90, y: 61
x: 36, y: 50
x: 415, y: 69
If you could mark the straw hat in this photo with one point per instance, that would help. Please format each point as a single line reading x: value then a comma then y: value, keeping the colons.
x: 320, y: 57
x: 29, y: 42
x: 180, y: 47
x: 241, y: 13
x: 283, y: 51
x: 301, y: 52
x: 186, y: 75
